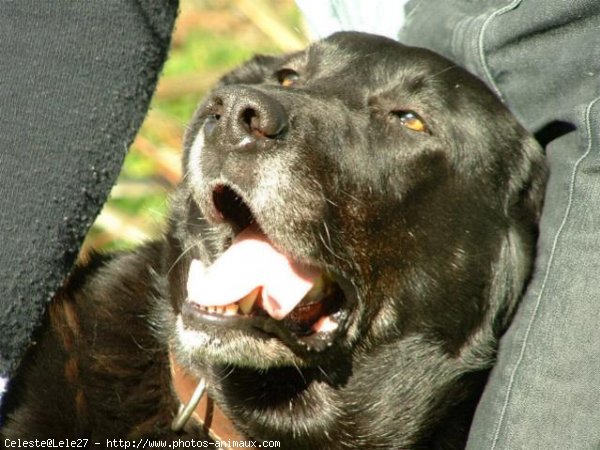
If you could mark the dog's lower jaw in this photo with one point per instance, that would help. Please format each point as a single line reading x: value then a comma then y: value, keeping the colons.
x: 274, y: 395
x: 197, y: 347
x: 307, y: 414
x: 330, y: 407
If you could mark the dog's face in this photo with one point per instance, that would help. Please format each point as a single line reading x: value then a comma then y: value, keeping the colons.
x: 355, y: 196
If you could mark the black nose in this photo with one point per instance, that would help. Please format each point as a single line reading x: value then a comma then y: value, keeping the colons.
x: 243, y: 115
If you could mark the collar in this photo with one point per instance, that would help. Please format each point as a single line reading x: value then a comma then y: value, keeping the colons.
x: 197, y: 406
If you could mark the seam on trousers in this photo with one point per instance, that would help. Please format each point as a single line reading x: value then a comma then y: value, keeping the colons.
x: 418, y: 4
x: 587, y: 121
x: 480, y: 44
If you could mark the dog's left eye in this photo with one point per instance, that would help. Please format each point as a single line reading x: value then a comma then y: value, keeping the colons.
x: 411, y: 120
x: 287, y: 77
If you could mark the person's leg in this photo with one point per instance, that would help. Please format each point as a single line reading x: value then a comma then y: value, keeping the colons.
x: 543, y: 58
x: 545, y: 390
x: 75, y: 83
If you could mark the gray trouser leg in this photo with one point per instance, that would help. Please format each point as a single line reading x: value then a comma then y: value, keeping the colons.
x: 543, y: 58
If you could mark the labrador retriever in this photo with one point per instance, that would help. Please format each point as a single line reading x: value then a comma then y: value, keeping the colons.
x: 354, y: 230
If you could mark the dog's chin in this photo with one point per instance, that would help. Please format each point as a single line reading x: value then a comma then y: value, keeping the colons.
x: 200, y: 347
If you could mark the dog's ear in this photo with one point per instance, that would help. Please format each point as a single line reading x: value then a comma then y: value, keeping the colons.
x: 526, y: 188
x: 254, y: 71
x: 527, y: 183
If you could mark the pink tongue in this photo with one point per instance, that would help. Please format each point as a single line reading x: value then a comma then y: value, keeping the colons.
x: 249, y: 263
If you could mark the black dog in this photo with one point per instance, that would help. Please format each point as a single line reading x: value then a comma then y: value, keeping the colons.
x: 353, y: 233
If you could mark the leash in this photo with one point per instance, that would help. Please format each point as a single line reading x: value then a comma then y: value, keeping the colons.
x: 198, y: 407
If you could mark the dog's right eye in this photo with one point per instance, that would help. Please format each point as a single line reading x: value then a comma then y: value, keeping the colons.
x: 287, y: 77
x: 411, y: 120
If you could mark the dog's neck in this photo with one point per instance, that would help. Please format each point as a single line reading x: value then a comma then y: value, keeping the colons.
x: 206, y: 413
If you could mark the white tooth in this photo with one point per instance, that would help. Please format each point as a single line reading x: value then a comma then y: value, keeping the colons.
x: 220, y: 310
x: 325, y: 324
x: 231, y: 309
x: 247, y: 302
x: 211, y: 309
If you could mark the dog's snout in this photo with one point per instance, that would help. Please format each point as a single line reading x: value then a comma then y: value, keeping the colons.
x: 243, y: 115
x: 263, y: 119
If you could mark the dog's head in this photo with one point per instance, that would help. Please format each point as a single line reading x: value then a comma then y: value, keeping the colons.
x: 343, y: 201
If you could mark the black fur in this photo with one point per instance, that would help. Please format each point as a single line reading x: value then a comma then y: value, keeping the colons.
x: 432, y: 234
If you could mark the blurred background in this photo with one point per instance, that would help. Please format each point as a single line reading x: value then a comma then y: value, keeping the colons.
x: 210, y: 38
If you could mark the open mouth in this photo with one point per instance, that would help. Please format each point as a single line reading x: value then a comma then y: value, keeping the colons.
x: 255, y: 287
